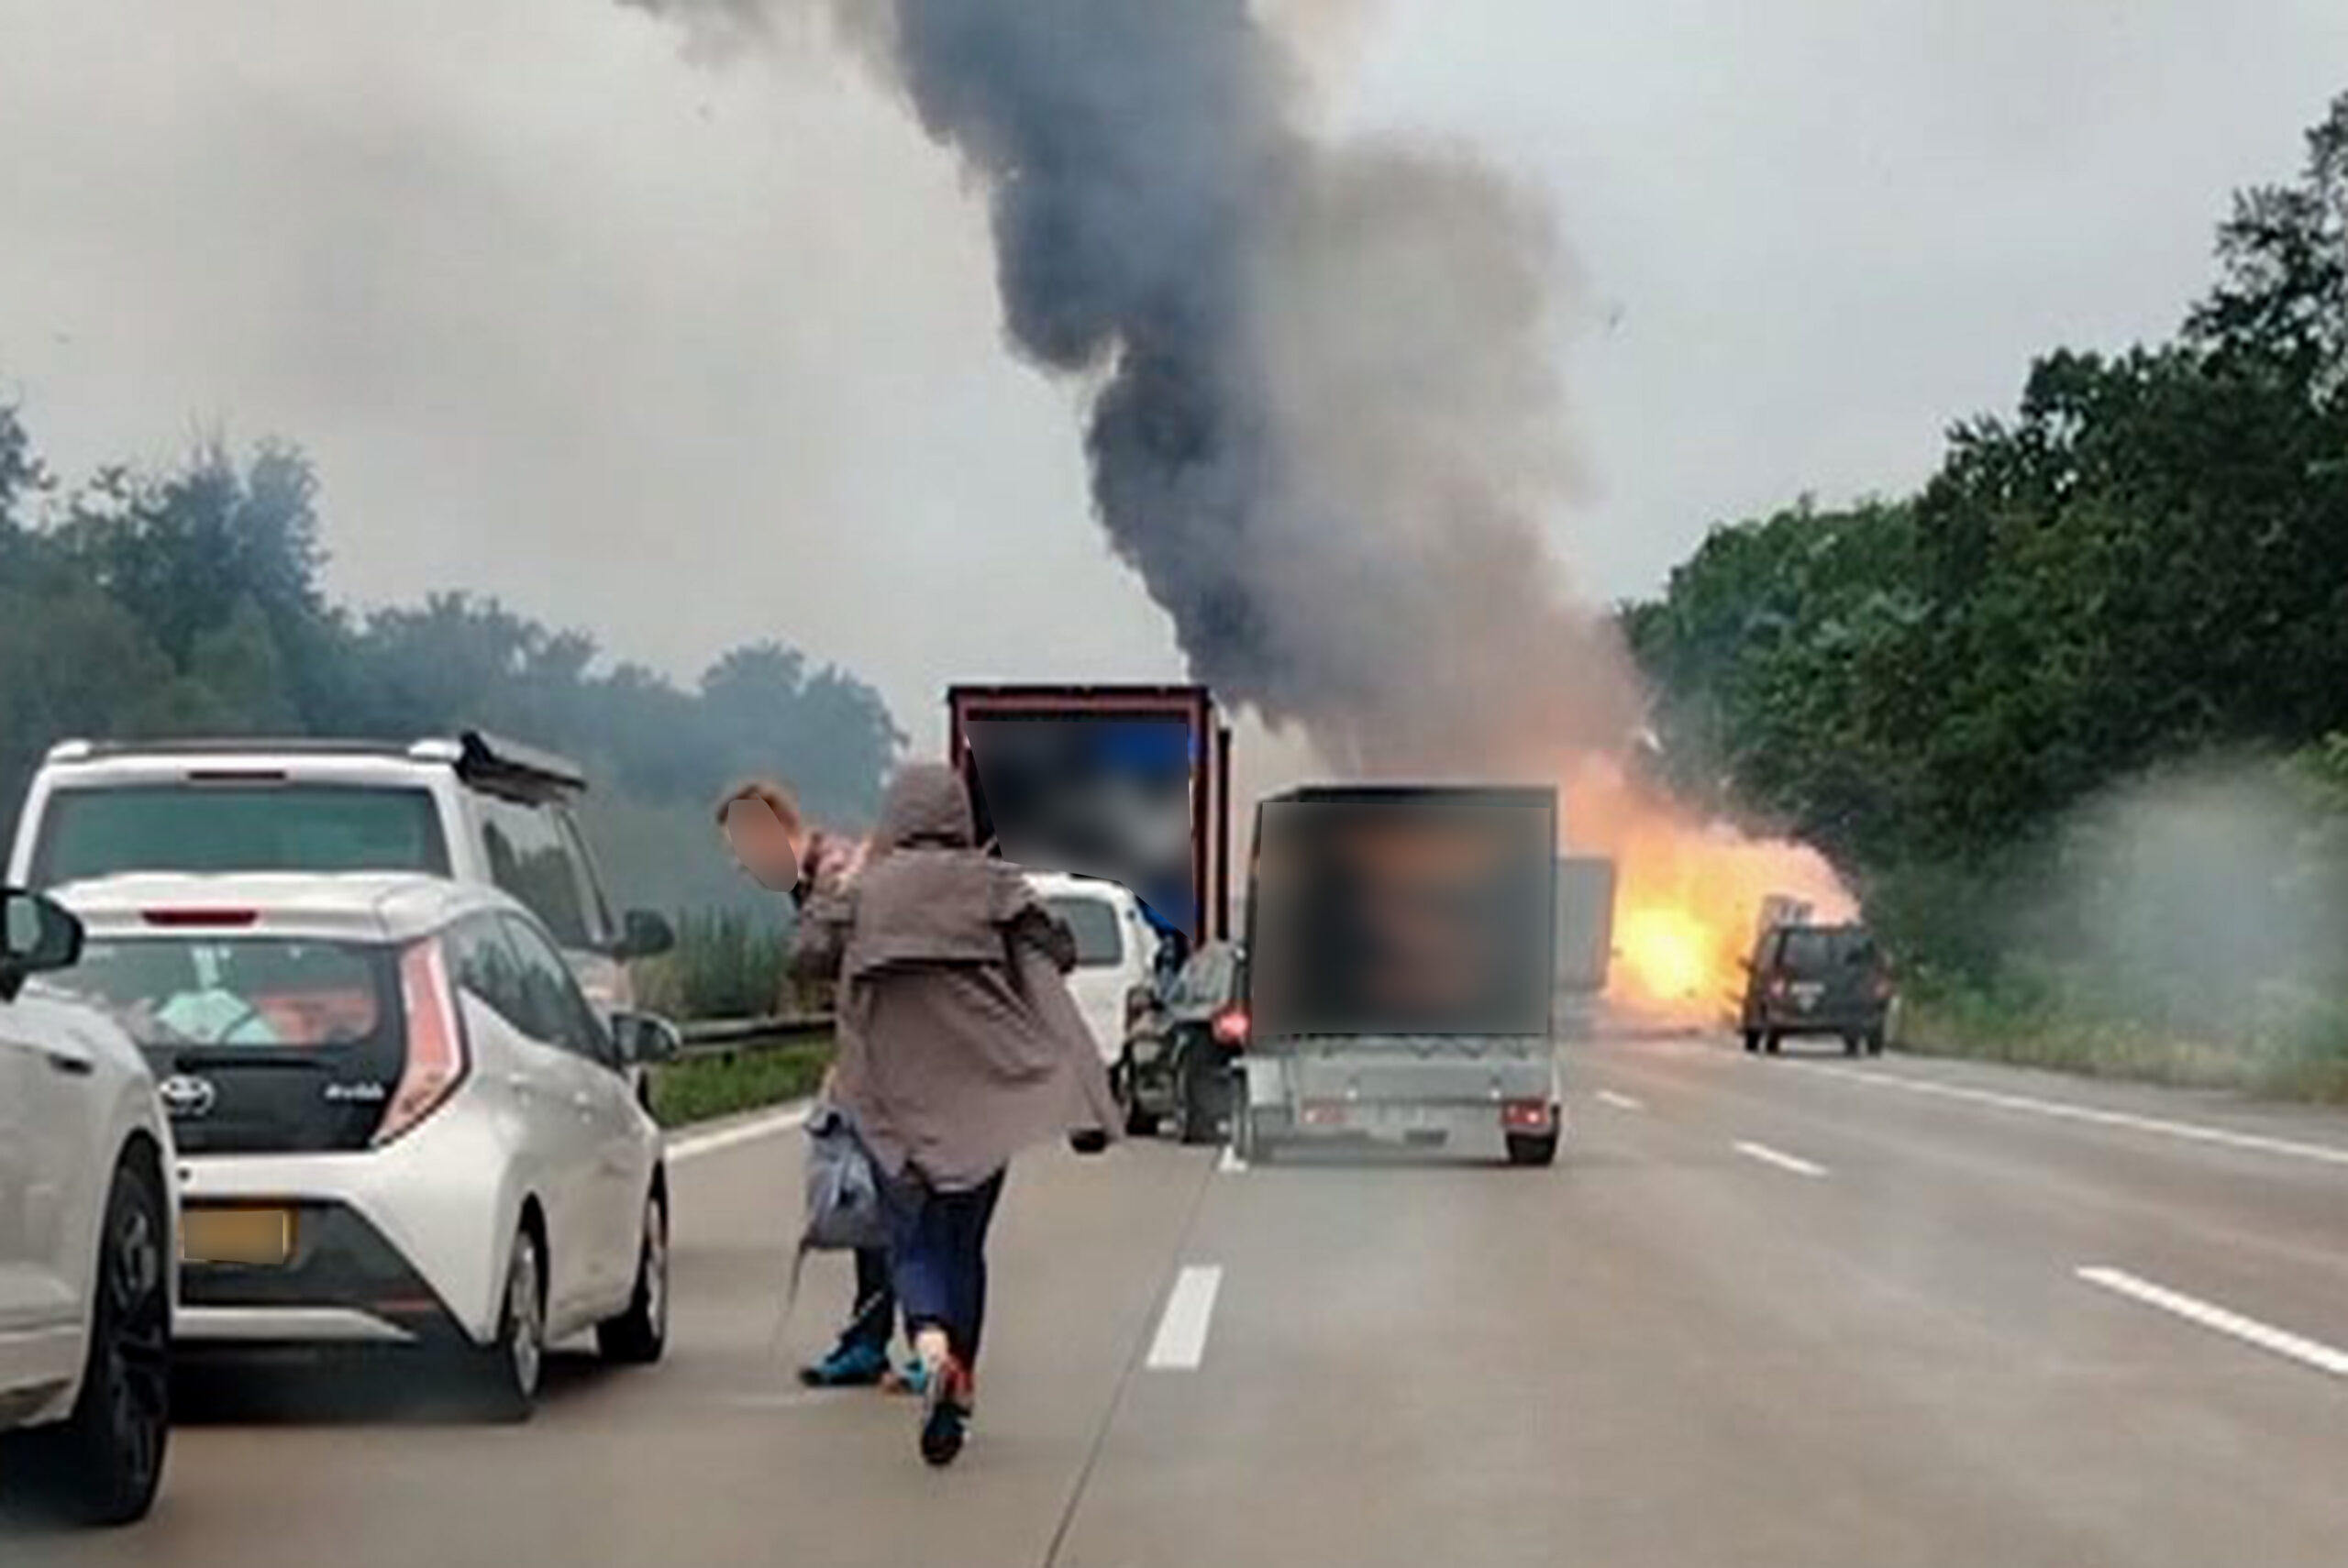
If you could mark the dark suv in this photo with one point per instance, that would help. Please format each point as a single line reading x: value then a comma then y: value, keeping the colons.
x: 1829, y: 981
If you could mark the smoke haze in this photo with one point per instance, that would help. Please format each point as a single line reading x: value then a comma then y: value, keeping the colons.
x: 1324, y: 425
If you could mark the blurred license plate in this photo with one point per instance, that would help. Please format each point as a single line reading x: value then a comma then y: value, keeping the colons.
x: 252, y: 1236
x: 1807, y: 995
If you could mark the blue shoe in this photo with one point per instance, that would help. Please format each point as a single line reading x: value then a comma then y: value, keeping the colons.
x: 912, y: 1378
x: 849, y: 1367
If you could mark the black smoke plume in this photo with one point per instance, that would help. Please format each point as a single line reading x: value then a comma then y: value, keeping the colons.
x: 1324, y: 425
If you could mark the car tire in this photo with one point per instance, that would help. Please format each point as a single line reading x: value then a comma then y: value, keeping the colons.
x: 1875, y: 1043
x: 1752, y: 1041
x: 639, y: 1336
x: 101, y: 1466
x: 1531, y: 1149
x: 1205, y: 1104
x: 1250, y: 1139
x: 1854, y: 1044
x: 1772, y: 1042
x: 1127, y: 1082
x: 504, y: 1374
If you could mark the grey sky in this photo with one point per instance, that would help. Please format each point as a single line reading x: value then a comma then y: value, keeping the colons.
x: 690, y: 356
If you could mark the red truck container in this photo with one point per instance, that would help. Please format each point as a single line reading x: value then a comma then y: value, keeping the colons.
x: 1129, y: 783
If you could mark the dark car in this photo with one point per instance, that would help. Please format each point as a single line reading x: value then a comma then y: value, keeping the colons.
x: 1821, y: 981
x: 1182, y: 1040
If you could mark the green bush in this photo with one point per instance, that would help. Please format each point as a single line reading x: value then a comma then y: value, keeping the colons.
x: 727, y: 964
x: 708, y: 1087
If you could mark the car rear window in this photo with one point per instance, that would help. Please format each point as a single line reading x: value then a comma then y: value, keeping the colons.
x: 103, y: 831
x: 1099, y: 944
x: 272, y: 993
x: 260, y: 1045
x: 1811, y: 952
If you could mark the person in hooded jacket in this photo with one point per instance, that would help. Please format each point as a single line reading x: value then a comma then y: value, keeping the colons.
x: 960, y: 1046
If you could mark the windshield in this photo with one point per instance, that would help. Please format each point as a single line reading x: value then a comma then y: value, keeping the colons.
x: 105, y: 831
x: 260, y: 992
x: 1093, y: 921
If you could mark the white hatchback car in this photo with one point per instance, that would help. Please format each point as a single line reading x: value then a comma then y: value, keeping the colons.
x: 87, y: 1218
x: 399, y: 1120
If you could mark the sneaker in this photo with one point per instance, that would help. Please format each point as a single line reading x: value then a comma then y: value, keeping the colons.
x: 849, y: 1367
x: 944, y: 1414
x: 911, y: 1377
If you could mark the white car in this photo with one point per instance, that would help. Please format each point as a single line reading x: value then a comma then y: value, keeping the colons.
x: 399, y: 1120
x: 1116, y: 948
x: 87, y: 1222
x: 475, y: 808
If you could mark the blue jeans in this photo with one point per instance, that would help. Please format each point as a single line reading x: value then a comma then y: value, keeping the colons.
x: 938, y: 1253
x: 875, y: 1315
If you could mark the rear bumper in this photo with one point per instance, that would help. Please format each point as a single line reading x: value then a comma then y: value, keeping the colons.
x: 1458, y: 1100
x: 345, y: 1284
x: 1834, y: 1023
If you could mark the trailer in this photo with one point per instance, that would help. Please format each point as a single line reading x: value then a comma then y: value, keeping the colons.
x: 1130, y: 784
x: 1402, y: 972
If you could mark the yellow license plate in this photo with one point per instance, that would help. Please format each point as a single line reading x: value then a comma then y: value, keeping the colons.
x: 251, y: 1236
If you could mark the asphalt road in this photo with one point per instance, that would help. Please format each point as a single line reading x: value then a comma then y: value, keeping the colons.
x: 1770, y: 1314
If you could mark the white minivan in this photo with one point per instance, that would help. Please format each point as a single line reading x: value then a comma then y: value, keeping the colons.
x: 400, y: 1121
x: 1116, y: 950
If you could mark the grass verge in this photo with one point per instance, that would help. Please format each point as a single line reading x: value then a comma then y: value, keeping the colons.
x: 748, y: 1079
x: 1978, y: 1030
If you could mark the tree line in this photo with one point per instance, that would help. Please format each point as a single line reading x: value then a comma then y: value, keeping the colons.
x: 188, y: 601
x: 2140, y: 573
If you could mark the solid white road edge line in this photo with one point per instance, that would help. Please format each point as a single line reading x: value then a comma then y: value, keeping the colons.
x: 1182, y: 1341
x: 2250, y: 1330
x: 1620, y: 1101
x: 2330, y: 1153
x: 1783, y: 1161
x: 693, y: 1147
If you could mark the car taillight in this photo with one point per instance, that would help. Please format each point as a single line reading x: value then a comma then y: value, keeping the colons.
x: 436, y: 1042
x: 1230, y: 1027
x: 1883, y: 987
x: 1525, y: 1115
x: 1778, y: 984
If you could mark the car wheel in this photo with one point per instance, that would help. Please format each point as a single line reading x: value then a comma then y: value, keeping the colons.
x: 1875, y: 1043
x: 1853, y: 1045
x: 639, y: 1336
x: 1204, y: 1105
x: 1532, y: 1148
x: 1752, y: 1041
x: 1772, y: 1042
x: 102, y: 1465
x: 1127, y: 1082
x: 507, y: 1371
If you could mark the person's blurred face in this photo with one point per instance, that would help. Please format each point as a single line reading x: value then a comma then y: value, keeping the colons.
x: 762, y: 844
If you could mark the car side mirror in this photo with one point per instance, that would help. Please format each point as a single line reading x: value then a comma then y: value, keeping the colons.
x: 646, y: 933
x: 645, y: 1039
x: 37, y: 935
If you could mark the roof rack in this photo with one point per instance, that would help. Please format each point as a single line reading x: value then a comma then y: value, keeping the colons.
x: 483, y: 759
x: 498, y: 765
x: 84, y: 750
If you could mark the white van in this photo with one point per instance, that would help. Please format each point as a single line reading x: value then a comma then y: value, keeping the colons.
x: 473, y: 808
x: 1116, y: 948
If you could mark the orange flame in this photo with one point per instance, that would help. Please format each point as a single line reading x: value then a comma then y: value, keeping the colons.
x: 1688, y: 896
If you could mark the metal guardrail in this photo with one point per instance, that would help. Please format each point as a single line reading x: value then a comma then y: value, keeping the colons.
x: 734, y: 1036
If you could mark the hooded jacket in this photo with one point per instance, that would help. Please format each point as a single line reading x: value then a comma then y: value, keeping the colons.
x: 960, y: 1044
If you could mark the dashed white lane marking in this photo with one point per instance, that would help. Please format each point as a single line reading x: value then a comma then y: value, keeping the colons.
x: 2250, y: 1330
x: 1182, y: 1341
x: 1620, y: 1101
x: 2330, y: 1153
x: 1779, y: 1158
x: 1230, y: 1164
x: 693, y: 1147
